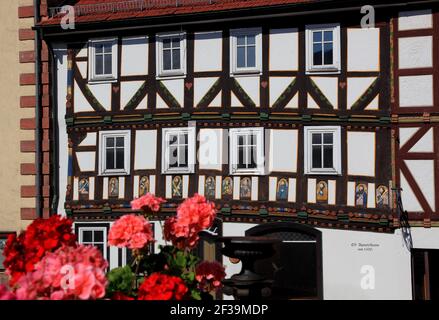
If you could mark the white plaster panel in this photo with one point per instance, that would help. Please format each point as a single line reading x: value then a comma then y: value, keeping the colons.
x: 277, y: 86
x: 91, y: 188
x: 357, y: 87
x: 201, y: 182
x: 424, y: 175
x: 201, y: 87
x: 405, y: 134
x: 210, y: 151
x: 272, y: 185
x: 152, y: 184
x: 102, y: 92
x: 121, y: 187
x: 81, y: 103
x: 416, y: 19
x: 86, y: 161
x: 145, y: 157
x: 236, y: 188
x: 89, y: 141
x: 160, y: 103
x: 105, y: 188
x: 415, y: 52
x: 329, y: 87
x: 371, y: 195
x: 255, y: 191
x: 312, y: 190
x: 168, y: 187
x: 351, y: 194
x: 292, y: 190
x: 217, y: 101
x: 251, y: 86
x: 176, y: 88
x: 83, y: 69
x: 235, y: 101
x: 127, y: 91
x: 409, y: 200
x: 185, y: 186
x: 283, y: 150
x: 332, y: 192
x: 425, y: 238
x: 284, y: 49
x: 218, y: 182
x: 361, y: 154
x: 208, y: 51
x: 425, y: 144
x: 416, y: 91
x: 75, y: 188
x: 364, y: 49
x: 83, y: 53
x: 136, y: 187
x: 134, y: 56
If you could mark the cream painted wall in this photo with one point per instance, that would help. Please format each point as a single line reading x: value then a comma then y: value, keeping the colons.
x: 10, y: 115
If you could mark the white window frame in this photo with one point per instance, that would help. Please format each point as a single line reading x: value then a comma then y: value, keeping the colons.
x: 166, y: 132
x: 260, y: 152
x: 336, y: 65
x: 93, y: 77
x: 103, y: 171
x: 161, y: 73
x: 336, y: 131
x: 234, y: 70
x: 93, y: 229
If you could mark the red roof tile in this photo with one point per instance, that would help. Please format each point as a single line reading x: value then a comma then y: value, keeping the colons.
x: 163, y: 8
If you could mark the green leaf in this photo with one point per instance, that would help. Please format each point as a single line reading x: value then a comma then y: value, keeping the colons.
x: 120, y: 280
x: 196, y: 294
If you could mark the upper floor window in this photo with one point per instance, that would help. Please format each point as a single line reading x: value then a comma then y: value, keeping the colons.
x: 323, y: 48
x: 103, y: 59
x: 246, y: 51
x: 322, y: 150
x: 178, y: 155
x: 171, y: 54
x: 94, y: 236
x: 114, y: 152
x: 247, y: 151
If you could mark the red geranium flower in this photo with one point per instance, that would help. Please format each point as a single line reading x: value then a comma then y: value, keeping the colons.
x: 22, y: 252
x: 162, y: 287
x: 147, y: 202
x: 209, y: 275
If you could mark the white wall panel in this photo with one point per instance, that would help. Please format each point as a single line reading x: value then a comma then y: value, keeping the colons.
x: 208, y: 51
x: 210, y: 154
x: 415, y: 52
x: 134, y: 56
x: 284, y: 49
x: 86, y: 161
x: 283, y: 150
x: 413, y: 20
x: 361, y: 153
x: 364, y: 49
x: 416, y: 91
x: 145, y: 157
x: 312, y: 190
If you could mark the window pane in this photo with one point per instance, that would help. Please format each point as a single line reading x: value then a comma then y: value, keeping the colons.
x: 120, y: 158
x: 98, y: 236
x: 110, y: 142
x: 316, y: 138
x: 107, y: 47
x: 328, y: 138
x: 328, y: 35
x: 251, y: 40
x: 183, y: 138
x: 183, y: 157
x: 120, y: 142
x: 328, y: 157
x: 317, y: 51
x: 316, y: 157
x: 176, y: 59
x: 251, y: 57
x: 317, y: 36
x: 240, y: 57
x: 173, y: 163
x: 166, y: 43
x: 87, y: 236
x: 241, y: 160
x: 100, y: 247
x: 252, y: 162
x: 167, y: 60
x: 173, y: 139
x: 99, y: 67
x: 110, y: 159
x: 99, y: 48
x: 108, y: 64
x: 329, y: 53
x: 240, y: 40
x: 176, y: 42
x: 240, y: 140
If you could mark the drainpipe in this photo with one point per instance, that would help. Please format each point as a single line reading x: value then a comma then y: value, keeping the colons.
x: 38, y: 91
x: 54, y: 144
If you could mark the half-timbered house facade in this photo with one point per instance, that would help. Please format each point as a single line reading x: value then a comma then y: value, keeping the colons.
x: 281, y: 111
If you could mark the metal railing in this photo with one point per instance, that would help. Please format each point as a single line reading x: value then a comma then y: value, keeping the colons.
x: 130, y: 6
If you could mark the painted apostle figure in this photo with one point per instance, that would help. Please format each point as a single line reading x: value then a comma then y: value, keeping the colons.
x: 382, y: 197
x: 361, y: 196
x: 282, y: 189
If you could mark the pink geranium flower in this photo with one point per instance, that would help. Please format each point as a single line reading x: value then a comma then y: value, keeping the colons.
x: 209, y: 275
x: 130, y: 231
x: 193, y: 216
x: 66, y: 274
x: 5, y: 294
x: 147, y: 202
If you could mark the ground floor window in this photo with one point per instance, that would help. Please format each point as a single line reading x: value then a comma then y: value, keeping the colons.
x: 3, y: 239
x: 94, y: 235
x: 425, y: 278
